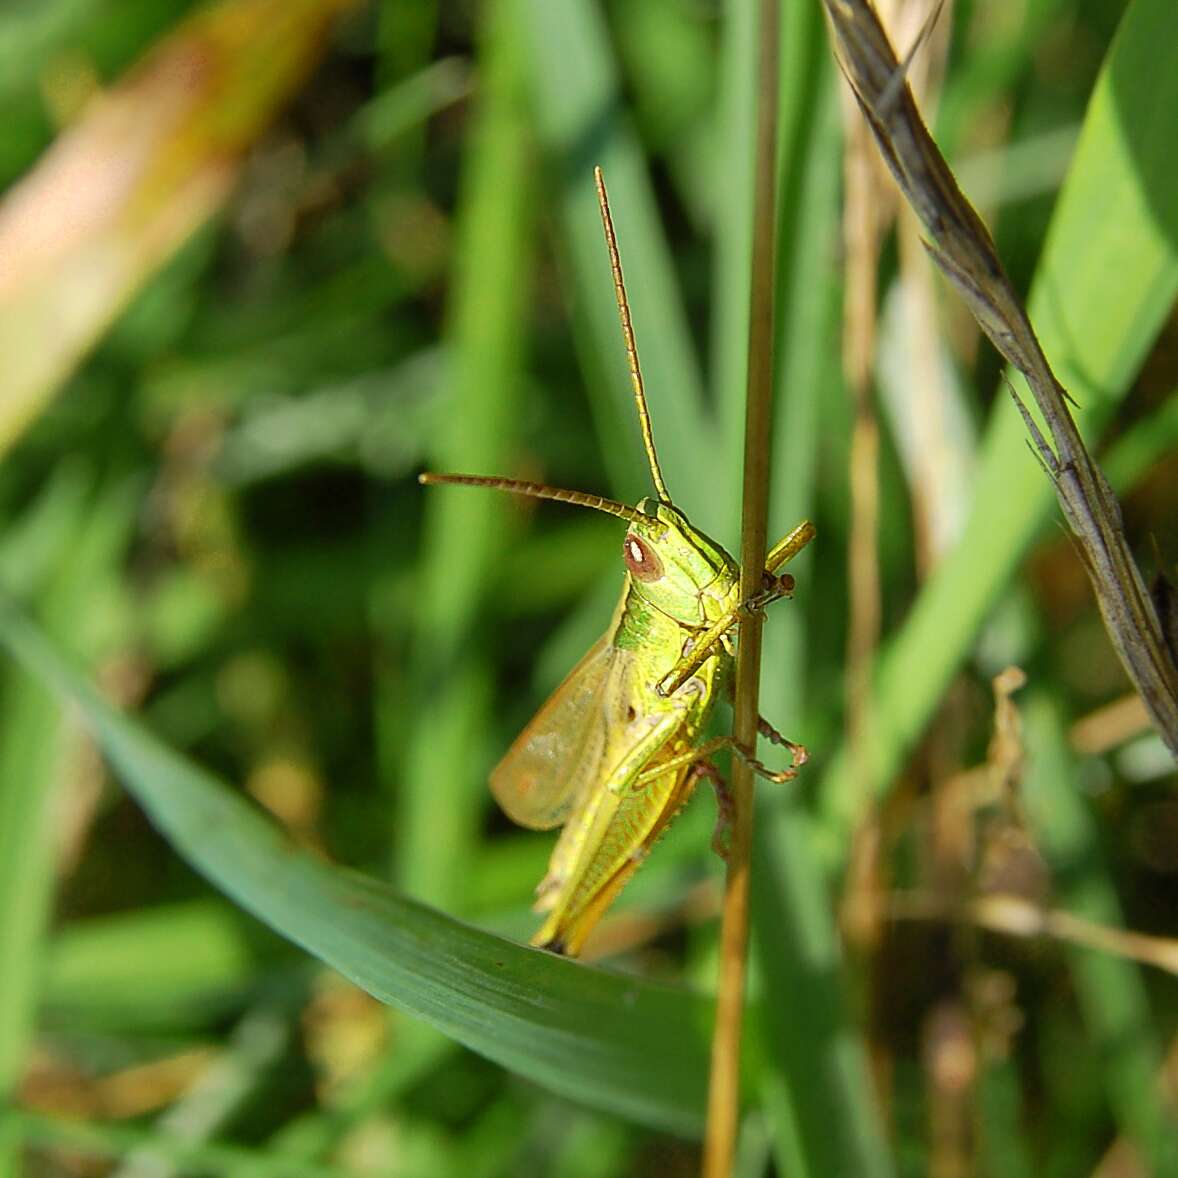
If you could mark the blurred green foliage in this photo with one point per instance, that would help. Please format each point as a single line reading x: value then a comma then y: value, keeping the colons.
x: 217, y: 517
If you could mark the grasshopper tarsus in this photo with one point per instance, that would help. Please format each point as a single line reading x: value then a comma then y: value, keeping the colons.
x: 797, y: 751
x: 785, y: 585
x: 777, y: 776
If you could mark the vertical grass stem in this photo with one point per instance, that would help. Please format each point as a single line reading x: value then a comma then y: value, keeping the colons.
x: 724, y: 1081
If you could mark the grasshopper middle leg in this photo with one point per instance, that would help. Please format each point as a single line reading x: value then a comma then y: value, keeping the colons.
x: 705, y: 750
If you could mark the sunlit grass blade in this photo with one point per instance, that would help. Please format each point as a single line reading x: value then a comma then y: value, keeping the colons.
x: 123, y: 188
x: 668, y: 57
x: 629, y: 1046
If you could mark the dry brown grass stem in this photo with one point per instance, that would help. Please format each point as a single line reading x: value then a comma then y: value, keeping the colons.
x: 933, y: 453
x: 961, y: 246
x: 1017, y: 916
x: 1110, y: 726
x: 861, y: 235
x: 869, y: 209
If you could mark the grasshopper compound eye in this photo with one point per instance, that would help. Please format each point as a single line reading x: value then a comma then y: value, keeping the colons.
x: 643, y: 563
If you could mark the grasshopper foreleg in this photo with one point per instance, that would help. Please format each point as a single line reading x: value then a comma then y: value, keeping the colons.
x: 773, y: 587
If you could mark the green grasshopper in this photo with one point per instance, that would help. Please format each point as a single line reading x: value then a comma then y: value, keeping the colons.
x: 618, y: 748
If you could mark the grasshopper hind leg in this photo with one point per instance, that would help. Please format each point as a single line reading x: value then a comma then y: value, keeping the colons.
x: 569, y: 924
x: 725, y: 806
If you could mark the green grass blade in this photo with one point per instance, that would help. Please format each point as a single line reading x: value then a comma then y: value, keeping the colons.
x: 1105, y: 283
x: 733, y: 238
x: 34, y: 749
x: 667, y: 50
x: 166, y: 967
x: 1144, y: 443
x: 582, y: 122
x: 443, y: 793
x: 628, y: 1046
x: 1110, y: 991
x: 810, y: 319
x: 819, y: 1093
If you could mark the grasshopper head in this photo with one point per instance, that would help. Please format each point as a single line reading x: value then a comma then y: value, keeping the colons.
x: 676, y: 568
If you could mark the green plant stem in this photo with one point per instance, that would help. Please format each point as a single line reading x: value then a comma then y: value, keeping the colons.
x: 724, y: 1083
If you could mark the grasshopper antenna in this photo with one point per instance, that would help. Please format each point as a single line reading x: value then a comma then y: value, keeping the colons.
x: 536, y: 491
x: 615, y: 262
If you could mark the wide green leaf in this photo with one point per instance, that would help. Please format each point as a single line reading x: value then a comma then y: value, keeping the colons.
x: 623, y: 1044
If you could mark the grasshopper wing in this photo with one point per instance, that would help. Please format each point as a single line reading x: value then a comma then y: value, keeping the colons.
x: 559, y: 755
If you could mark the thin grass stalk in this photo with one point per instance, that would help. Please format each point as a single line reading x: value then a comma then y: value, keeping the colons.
x: 37, y: 751
x: 582, y: 120
x: 724, y: 1081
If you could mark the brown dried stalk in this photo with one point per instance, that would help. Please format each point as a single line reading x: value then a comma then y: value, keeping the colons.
x: 961, y: 245
x: 861, y: 915
x: 1016, y: 916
